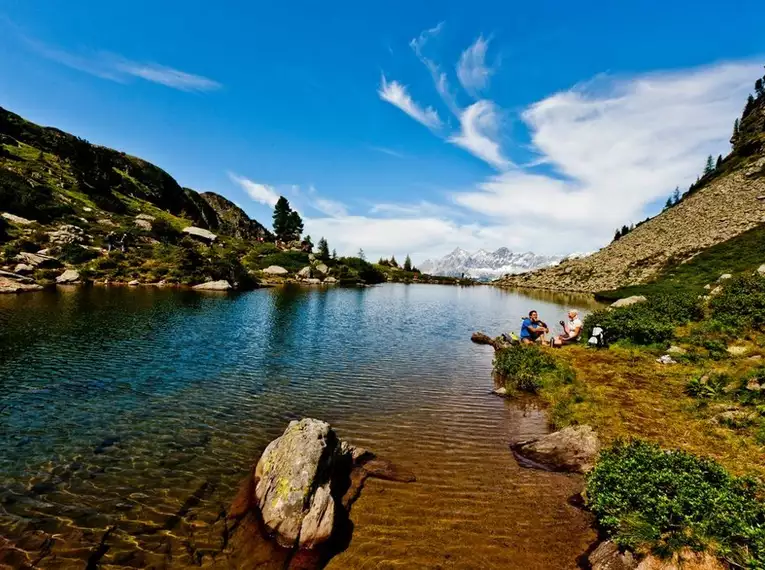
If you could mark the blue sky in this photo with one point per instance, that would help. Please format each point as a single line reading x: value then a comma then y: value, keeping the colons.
x: 400, y: 127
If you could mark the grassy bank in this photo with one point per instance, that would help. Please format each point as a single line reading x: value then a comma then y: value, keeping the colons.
x: 692, y: 475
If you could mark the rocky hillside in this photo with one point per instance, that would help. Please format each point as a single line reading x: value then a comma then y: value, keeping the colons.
x: 722, y: 205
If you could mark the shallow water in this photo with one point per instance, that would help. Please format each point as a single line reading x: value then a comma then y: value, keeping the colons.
x: 141, y: 410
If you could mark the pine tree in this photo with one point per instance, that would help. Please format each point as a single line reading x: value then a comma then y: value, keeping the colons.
x: 748, y: 107
x: 295, y: 225
x: 734, y: 137
x: 362, y: 256
x: 281, y: 217
x: 617, y: 234
x: 334, y: 254
x: 759, y: 89
x: 625, y: 230
x: 668, y: 205
x: 407, y: 264
x: 676, y: 196
x: 393, y: 261
x: 719, y: 162
x: 709, y: 167
x: 323, y: 249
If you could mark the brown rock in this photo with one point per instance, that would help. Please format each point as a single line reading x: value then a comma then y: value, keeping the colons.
x: 607, y: 556
x: 574, y: 449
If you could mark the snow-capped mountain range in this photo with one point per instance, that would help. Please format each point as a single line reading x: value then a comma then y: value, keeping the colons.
x: 486, y: 265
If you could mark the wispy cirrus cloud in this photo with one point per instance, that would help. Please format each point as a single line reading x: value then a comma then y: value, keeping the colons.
x: 440, y: 79
x: 261, y: 193
x: 479, y: 132
x: 472, y: 71
x: 397, y: 95
x: 388, y: 151
x: 117, y: 68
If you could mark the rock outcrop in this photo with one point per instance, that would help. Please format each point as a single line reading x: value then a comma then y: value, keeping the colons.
x: 68, y: 276
x: 304, y: 484
x: 607, y: 556
x: 275, y: 270
x: 37, y: 260
x: 573, y: 449
x: 627, y: 301
x: 67, y: 233
x: 231, y: 220
x: 200, y: 233
x: 8, y: 285
x: 221, y: 285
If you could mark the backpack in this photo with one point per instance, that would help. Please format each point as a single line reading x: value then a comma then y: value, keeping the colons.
x: 597, y: 337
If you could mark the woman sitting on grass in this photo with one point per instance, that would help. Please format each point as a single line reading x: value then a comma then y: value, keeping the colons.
x: 572, y: 330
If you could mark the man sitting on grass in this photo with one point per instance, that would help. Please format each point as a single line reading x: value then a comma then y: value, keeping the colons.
x: 572, y: 330
x: 532, y: 329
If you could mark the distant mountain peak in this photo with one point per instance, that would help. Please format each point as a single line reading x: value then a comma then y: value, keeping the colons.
x: 485, y: 265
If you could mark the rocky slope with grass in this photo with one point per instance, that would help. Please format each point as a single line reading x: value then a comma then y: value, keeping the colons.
x: 723, y: 204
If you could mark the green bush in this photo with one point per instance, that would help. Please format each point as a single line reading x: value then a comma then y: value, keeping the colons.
x: 292, y: 261
x: 649, y: 499
x: 23, y: 198
x: 523, y: 367
x: 367, y: 272
x: 707, y: 386
x: 650, y: 322
x: 75, y: 254
x: 164, y: 232
x: 741, y: 303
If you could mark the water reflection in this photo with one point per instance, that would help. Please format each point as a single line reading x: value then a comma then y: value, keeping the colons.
x: 118, y: 405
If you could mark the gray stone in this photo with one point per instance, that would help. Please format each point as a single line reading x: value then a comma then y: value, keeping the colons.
x: 145, y: 217
x: 143, y: 224
x: 304, y: 273
x: 221, y: 285
x: 724, y: 277
x: 13, y: 286
x: 17, y: 219
x: 15, y: 277
x: 666, y: 359
x: 313, y: 281
x: 737, y: 350
x: 627, y: 301
x: 501, y: 391
x: 67, y: 234
x: 607, y: 556
x: 330, y: 281
x: 573, y: 449
x: 753, y: 385
x: 293, y: 483
x: 36, y: 260
x: 134, y: 283
x: 322, y: 268
x: 201, y: 233
x: 24, y: 268
x: 275, y: 270
x: 716, y: 291
x: 761, y: 269
x: 68, y: 276
x: 707, y: 287
x: 106, y: 222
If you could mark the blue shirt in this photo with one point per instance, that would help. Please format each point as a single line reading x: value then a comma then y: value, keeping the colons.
x: 525, y: 332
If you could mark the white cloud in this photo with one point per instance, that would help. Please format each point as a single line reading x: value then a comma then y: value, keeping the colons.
x: 117, y: 68
x: 167, y: 76
x: 480, y: 126
x: 440, y: 80
x: 331, y: 208
x: 396, y: 94
x: 471, y: 69
x: 262, y: 193
x: 612, y: 147
x: 388, y: 151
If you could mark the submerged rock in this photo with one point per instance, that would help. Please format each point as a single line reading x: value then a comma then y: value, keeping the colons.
x: 627, y: 301
x: 13, y: 286
x: 221, y: 285
x: 573, y: 449
x: 305, y: 483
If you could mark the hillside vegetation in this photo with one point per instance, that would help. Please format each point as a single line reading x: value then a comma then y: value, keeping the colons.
x: 727, y: 202
x: 110, y: 217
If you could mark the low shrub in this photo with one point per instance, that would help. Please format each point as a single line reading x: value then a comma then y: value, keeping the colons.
x: 649, y: 499
x: 367, y: 272
x: 650, y: 322
x: 707, y: 386
x: 75, y: 254
x: 524, y: 367
x: 741, y: 303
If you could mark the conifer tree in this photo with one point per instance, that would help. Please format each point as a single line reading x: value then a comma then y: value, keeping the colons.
x: 334, y: 254
x: 734, y: 137
x: 295, y: 224
x: 748, y: 107
x: 759, y: 89
x: 617, y: 234
x: 281, y: 218
x: 668, y: 205
x: 323, y: 249
x: 361, y: 255
x: 676, y: 196
x: 625, y: 230
x: 719, y: 162
x: 709, y: 167
x: 407, y: 264
x: 393, y: 261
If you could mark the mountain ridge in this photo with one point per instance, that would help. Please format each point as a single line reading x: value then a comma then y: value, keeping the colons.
x: 485, y: 265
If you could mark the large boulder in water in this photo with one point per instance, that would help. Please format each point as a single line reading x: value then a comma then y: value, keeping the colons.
x: 303, y: 486
x: 294, y: 480
x: 573, y: 449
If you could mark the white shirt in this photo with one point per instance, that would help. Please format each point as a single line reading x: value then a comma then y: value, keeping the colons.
x: 573, y: 325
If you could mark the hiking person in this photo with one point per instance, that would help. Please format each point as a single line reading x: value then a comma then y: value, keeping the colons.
x: 572, y: 330
x: 532, y: 329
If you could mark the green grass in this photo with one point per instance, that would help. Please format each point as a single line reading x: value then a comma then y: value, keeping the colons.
x: 739, y: 255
